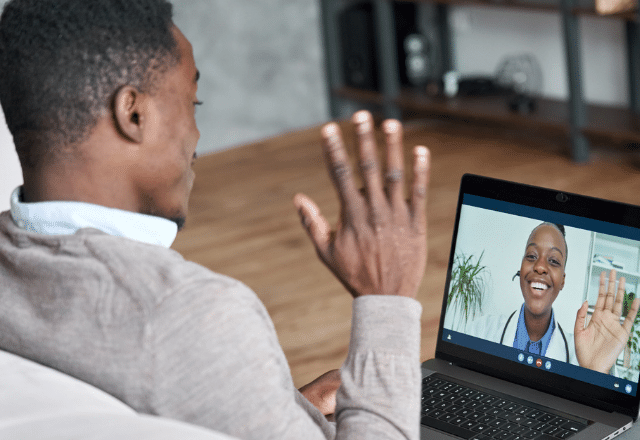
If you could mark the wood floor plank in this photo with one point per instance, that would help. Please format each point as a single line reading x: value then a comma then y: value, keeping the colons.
x: 242, y: 222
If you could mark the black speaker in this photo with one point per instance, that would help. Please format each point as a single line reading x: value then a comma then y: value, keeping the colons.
x: 359, y: 46
x: 414, y: 49
x: 357, y: 39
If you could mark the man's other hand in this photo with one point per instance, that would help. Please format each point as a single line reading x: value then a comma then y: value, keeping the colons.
x: 379, y: 246
x: 322, y: 392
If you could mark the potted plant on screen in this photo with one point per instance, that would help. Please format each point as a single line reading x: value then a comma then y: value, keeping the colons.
x: 466, y: 289
x: 633, y: 343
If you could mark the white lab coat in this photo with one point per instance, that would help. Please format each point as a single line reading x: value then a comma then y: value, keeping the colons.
x: 493, y: 327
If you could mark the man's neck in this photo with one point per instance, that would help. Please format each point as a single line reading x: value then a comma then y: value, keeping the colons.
x: 71, y: 184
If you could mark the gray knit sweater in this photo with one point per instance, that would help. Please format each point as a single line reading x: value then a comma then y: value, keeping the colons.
x: 170, y: 337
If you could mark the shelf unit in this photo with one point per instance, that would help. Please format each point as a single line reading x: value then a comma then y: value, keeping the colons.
x: 574, y: 118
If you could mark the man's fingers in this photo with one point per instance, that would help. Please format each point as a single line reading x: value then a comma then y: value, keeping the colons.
x: 631, y: 315
x: 394, y: 177
x: 369, y: 165
x: 339, y: 166
x: 421, y: 168
x: 314, y: 223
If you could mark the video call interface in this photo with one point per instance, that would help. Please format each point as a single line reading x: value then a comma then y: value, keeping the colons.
x: 497, y: 292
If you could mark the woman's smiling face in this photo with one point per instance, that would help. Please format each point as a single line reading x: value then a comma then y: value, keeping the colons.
x: 542, y: 270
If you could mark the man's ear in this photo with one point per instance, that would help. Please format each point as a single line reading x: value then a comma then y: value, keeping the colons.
x: 129, y: 113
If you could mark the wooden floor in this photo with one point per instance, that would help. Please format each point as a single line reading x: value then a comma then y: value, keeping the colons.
x: 242, y: 222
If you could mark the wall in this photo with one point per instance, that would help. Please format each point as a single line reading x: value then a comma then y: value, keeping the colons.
x: 260, y: 64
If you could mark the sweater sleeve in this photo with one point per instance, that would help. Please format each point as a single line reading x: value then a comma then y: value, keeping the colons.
x: 381, y: 380
x: 218, y: 364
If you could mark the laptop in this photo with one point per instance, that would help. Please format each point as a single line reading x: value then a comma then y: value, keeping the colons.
x: 493, y: 379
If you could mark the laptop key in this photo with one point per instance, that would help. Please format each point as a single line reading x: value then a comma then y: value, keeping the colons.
x: 480, y: 428
x: 447, y: 417
x: 558, y: 421
x: 457, y: 389
x: 498, y: 423
x: 431, y: 401
x: 475, y: 416
x: 435, y: 413
x: 490, y: 400
x: 485, y: 420
x: 545, y: 417
x: 513, y: 407
x: 442, y: 405
x: 464, y: 412
x: 469, y: 424
x: 534, y: 414
x: 501, y: 402
x: 491, y: 432
x: 573, y: 426
x: 448, y: 428
x: 553, y: 430
x: 447, y: 386
x: 511, y: 427
x: 542, y: 436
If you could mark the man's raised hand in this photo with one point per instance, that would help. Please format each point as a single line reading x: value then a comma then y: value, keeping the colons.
x: 379, y: 246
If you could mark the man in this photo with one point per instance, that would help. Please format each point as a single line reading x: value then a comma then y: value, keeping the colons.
x: 100, y: 98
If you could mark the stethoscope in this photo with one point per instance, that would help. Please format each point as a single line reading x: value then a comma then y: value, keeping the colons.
x: 564, y: 338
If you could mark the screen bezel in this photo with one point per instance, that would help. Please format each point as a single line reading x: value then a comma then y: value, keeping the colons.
x: 561, y: 202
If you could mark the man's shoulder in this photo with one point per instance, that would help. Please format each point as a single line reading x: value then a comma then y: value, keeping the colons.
x: 96, y: 260
x: 159, y: 268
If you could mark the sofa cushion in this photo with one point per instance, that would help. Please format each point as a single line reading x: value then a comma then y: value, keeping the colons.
x: 37, y: 402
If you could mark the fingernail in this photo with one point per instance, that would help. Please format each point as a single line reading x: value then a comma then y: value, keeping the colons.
x: 421, y: 154
x: 363, y: 121
x: 391, y: 126
x: 329, y: 130
x: 361, y: 116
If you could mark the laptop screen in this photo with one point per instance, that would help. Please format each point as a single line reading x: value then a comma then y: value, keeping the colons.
x: 524, y: 277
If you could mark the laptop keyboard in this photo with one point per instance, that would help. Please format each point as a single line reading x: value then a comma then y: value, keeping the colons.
x: 472, y: 413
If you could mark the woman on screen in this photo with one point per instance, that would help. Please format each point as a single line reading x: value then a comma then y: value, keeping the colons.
x: 533, y: 328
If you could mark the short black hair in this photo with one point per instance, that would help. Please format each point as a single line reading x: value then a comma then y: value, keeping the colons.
x: 560, y: 228
x: 62, y: 62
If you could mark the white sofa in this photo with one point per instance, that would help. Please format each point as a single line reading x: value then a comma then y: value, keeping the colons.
x: 39, y: 403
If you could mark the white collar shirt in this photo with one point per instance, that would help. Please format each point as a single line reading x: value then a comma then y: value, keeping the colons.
x: 66, y: 218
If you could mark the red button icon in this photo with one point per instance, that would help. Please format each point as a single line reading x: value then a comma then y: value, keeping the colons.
x: 538, y: 363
